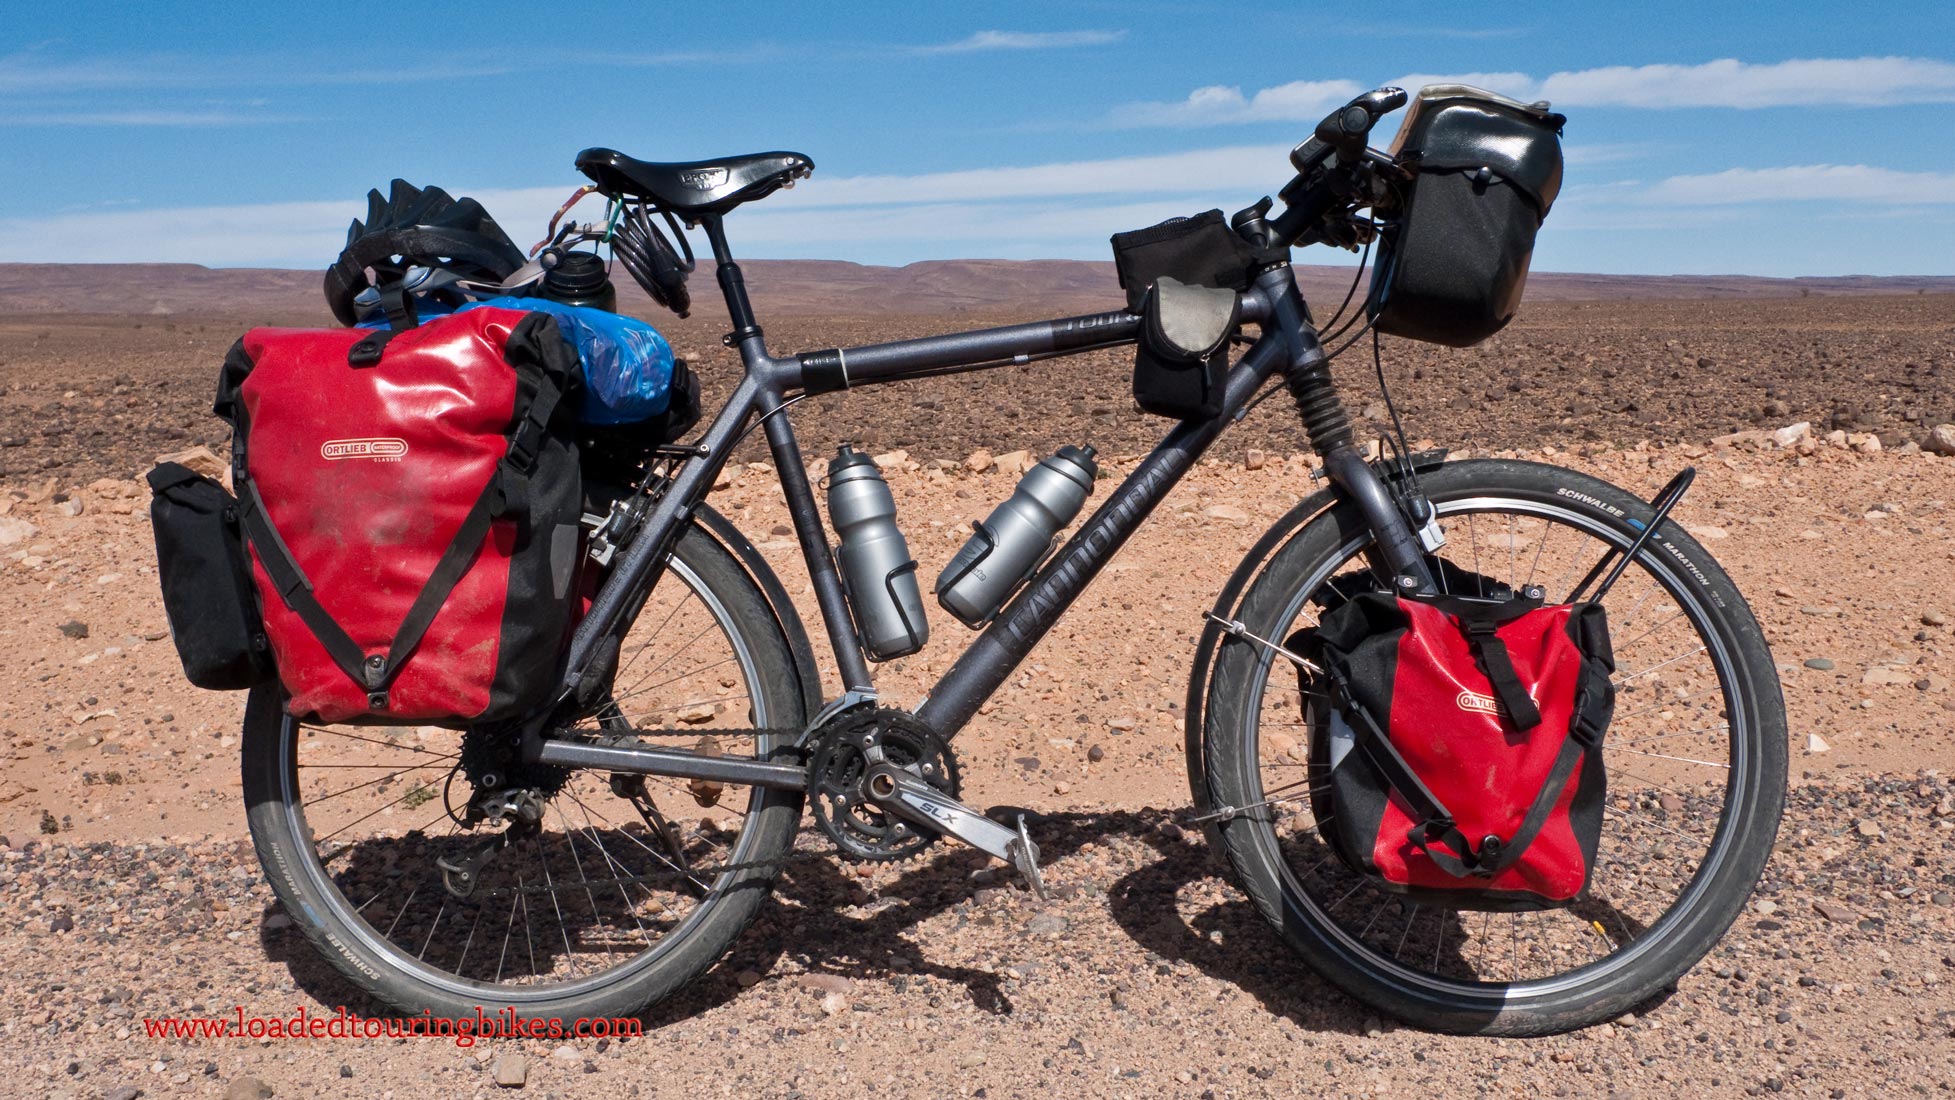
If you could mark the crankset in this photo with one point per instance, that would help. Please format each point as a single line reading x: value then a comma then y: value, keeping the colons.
x: 856, y: 743
x: 883, y: 785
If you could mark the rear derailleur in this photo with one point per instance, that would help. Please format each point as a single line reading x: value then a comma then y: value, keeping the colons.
x: 521, y: 807
x: 505, y: 791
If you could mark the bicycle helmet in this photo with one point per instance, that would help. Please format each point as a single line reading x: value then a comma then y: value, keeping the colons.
x: 415, y: 227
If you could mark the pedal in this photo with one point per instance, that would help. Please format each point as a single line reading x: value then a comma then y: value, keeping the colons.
x: 1025, y: 857
x: 912, y: 799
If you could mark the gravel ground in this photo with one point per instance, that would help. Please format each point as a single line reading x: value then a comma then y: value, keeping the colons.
x: 91, y: 396
x: 1146, y: 976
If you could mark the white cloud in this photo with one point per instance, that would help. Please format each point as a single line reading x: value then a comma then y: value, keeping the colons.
x: 29, y: 73
x: 1219, y: 103
x: 140, y: 118
x: 218, y: 236
x: 1023, y: 204
x: 1850, y: 183
x: 1026, y: 40
x: 1856, y: 82
x: 1816, y: 82
x: 1225, y: 171
x: 1059, y: 209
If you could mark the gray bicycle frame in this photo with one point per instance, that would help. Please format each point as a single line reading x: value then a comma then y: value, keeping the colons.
x: 1287, y: 347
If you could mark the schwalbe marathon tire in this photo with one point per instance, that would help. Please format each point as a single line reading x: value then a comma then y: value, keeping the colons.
x: 1230, y: 753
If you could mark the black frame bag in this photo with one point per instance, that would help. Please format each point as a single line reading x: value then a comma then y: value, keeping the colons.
x: 1181, y: 360
x: 1182, y: 355
x: 1454, y: 252
x: 208, y: 594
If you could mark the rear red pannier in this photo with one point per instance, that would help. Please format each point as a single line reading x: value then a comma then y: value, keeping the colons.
x: 412, y: 501
x: 1456, y: 744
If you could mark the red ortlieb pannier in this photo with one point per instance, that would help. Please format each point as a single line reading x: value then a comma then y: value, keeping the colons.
x: 412, y: 501
x: 1457, y: 744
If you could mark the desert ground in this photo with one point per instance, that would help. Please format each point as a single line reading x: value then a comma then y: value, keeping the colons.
x: 128, y: 888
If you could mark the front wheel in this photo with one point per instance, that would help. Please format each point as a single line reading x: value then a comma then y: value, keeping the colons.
x: 1696, y: 761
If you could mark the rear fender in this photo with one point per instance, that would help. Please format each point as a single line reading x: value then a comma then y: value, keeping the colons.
x: 729, y: 536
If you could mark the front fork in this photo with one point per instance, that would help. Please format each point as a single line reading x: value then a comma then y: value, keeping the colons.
x: 1328, y: 427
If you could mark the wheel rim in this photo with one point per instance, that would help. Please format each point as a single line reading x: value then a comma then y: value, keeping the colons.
x: 594, y: 865
x: 1383, y: 931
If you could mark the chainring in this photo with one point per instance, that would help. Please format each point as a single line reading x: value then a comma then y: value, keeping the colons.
x: 844, y: 752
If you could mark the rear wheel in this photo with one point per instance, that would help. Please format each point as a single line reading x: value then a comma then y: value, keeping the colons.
x: 623, y: 891
x: 1696, y: 763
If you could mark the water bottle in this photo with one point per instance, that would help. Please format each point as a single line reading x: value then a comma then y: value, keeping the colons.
x: 875, y: 558
x: 1010, y: 544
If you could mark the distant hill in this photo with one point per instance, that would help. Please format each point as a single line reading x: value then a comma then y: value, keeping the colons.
x: 835, y: 288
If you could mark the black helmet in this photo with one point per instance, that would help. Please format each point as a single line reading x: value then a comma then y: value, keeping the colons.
x: 412, y: 227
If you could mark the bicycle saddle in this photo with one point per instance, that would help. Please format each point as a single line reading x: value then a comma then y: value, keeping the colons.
x: 694, y: 187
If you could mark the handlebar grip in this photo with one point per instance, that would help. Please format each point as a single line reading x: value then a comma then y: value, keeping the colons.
x: 1348, y: 128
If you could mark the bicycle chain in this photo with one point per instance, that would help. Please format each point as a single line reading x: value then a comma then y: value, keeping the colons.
x: 624, y: 739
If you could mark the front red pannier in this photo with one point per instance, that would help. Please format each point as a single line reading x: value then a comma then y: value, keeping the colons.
x: 1457, y: 744
x: 412, y: 501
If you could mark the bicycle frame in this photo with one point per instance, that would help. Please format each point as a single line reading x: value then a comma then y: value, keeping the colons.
x: 1287, y: 347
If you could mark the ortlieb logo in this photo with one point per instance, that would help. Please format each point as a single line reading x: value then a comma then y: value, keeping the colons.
x: 1472, y: 702
x: 384, y: 450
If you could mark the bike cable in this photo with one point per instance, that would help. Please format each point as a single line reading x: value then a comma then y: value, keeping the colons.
x: 1363, y: 259
x: 1401, y: 451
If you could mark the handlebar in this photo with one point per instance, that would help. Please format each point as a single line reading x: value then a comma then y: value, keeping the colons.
x: 1335, y: 166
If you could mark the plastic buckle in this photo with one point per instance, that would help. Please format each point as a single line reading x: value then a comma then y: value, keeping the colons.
x: 1585, y: 731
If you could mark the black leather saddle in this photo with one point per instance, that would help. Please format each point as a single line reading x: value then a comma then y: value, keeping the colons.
x: 690, y: 188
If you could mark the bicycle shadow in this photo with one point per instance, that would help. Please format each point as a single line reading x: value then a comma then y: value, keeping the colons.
x: 825, y: 919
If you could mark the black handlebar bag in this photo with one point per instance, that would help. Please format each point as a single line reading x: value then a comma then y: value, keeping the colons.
x: 1457, y: 240
x: 1456, y: 745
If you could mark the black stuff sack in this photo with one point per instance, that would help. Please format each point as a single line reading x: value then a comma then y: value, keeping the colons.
x: 1200, y: 251
x: 208, y: 594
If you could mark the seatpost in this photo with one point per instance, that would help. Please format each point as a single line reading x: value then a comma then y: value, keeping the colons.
x: 733, y: 285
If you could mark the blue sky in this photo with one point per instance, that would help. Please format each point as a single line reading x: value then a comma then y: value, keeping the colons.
x: 1788, y: 138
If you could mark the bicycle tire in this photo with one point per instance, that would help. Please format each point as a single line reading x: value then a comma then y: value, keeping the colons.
x: 1680, y: 937
x: 329, y: 921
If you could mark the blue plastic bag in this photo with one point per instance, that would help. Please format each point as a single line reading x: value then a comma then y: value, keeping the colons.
x: 627, y: 363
